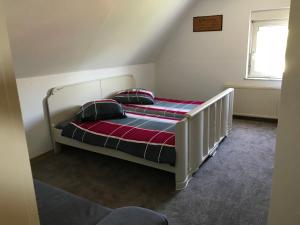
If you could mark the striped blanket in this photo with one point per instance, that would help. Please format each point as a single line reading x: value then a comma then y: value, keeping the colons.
x: 163, y: 107
x: 146, y: 136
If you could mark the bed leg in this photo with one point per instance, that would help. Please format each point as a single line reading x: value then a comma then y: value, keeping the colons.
x: 57, y: 147
x: 182, y: 163
x: 181, y: 182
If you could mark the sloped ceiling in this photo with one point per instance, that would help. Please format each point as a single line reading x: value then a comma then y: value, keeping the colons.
x: 56, y: 36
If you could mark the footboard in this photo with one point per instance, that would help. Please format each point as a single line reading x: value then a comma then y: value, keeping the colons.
x: 199, y: 134
x: 208, y: 124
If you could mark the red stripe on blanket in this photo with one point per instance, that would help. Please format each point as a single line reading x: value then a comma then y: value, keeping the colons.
x: 154, y: 109
x: 129, y: 133
x: 158, y: 137
x: 179, y: 101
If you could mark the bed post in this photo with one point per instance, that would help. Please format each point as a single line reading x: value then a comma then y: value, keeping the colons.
x: 196, y: 141
x: 56, y: 147
x: 182, y: 161
x: 230, y: 114
x: 225, y: 116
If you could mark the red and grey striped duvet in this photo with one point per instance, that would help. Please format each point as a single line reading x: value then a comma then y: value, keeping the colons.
x: 163, y: 107
x: 148, y: 137
x: 147, y: 132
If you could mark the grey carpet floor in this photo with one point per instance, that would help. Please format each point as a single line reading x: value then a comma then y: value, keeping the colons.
x: 231, y: 188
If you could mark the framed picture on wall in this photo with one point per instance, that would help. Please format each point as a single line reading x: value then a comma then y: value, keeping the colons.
x: 208, y: 23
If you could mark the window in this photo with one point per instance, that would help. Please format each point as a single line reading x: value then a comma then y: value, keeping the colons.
x: 269, y: 32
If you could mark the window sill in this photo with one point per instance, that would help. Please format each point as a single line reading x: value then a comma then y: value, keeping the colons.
x: 263, y: 78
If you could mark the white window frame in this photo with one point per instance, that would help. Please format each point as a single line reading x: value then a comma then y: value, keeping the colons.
x: 255, y: 24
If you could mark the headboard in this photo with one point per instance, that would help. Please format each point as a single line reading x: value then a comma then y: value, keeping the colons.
x: 63, y: 102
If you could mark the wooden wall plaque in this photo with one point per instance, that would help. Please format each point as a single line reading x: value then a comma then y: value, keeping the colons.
x: 207, y: 23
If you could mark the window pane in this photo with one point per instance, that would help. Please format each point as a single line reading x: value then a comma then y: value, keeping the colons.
x: 269, y: 58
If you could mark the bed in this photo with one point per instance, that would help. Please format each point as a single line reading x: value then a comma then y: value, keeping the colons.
x: 190, y: 133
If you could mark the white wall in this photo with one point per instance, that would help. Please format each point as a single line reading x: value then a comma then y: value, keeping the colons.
x: 33, y: 91
x: 58, y: 42
x: 285, y: 208
x: 199, y: 64
x: 58, y: 36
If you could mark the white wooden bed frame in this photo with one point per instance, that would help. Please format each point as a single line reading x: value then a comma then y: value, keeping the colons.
x: 197, y: 135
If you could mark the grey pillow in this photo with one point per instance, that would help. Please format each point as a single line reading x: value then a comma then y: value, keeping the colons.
x: 135, y: 96
x: 101, y: 110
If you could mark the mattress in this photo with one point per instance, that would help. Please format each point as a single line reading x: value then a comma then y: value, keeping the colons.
x: 163, y: 107
x: 146, y: 136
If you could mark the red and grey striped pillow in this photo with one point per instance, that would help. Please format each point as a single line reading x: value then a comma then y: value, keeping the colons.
x: 101, y: 110
x: 135, y: 96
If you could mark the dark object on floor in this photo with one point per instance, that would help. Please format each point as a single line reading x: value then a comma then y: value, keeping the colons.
x: 57, y: 207
x: 231, y: 188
